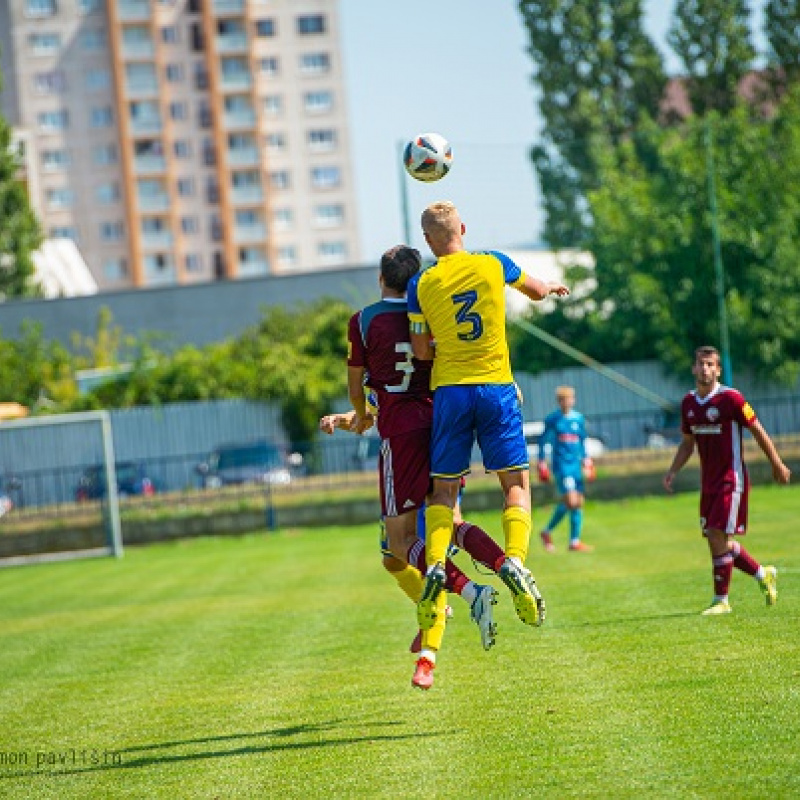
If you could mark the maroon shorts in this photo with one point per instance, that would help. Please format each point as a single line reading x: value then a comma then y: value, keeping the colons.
x: 724, y: 511
x: 404, y: 466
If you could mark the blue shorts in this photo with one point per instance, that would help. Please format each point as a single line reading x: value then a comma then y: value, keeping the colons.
x: 569, y: 482
x: 489, y: 412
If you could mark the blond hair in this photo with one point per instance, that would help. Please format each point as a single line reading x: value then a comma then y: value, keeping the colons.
x: 440, y: 221
x: 564, y: 391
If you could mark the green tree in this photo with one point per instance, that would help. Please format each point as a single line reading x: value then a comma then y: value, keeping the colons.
x: 782, y: 29
x: 713, y: 42
x: 20, y: 233
x: 597, y: 70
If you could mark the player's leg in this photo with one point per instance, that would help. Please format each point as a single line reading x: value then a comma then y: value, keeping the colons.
x: 559, y: 512
x: 574, y: 501
x: 721, y: 570
x: 397, y: 535
x: 767, y: 576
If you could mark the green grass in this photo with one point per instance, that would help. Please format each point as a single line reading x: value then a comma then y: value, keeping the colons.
x: 277, y: 666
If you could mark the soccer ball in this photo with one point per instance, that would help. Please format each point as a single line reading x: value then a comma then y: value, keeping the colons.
x: 428, y: 157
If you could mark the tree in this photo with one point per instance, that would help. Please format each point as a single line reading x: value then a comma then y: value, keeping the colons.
x: 782, y: 29
x: 712, y: 40
x: 20, y: 233
x: 597, y: 70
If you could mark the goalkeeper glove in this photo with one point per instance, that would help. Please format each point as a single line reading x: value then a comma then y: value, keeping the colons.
x: 544, y: 472
x: 588, y: 469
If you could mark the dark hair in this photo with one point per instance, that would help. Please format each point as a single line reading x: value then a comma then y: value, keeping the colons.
x: 706, y: 351
x: 399, y: 265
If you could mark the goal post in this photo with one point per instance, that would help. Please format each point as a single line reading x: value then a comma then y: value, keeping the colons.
x: 43, y: 461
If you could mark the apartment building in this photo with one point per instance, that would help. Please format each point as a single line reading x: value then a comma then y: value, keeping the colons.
x: 182, y: 141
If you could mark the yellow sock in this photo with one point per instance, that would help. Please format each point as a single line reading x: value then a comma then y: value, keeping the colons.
x: 432, y: 638
x: 409, y: 579
x: 517, y: 530
x: 438, y: 533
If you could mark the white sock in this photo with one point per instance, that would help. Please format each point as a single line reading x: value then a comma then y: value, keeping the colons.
x: 429, y: 654
x: 470, y: 592
x: 759, y: 576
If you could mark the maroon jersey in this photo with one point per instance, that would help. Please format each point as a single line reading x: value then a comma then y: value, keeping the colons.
x: 378, y: 340
x: 717, y: 421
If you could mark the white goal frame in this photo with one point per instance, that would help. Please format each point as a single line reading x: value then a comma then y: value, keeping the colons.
x: 109, y: 504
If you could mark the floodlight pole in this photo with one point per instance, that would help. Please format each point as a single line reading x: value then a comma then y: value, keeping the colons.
x: 725, y: 345
x: 404, y: 205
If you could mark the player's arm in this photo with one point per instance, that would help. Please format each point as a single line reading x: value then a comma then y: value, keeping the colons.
x: 536, y: 289
x: 421, y: 344
x: 682, y: 455
x: 780, y: 472
x: 419, y: 332
x: 355, y: 390
x: 331, y: 422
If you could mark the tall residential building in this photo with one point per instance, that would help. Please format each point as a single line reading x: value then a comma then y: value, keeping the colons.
x: 178, y: 141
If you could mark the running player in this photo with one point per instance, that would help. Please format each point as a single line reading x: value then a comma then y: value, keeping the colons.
x: 565, y: 434
x: 459, y: 303
x: 712, y: 419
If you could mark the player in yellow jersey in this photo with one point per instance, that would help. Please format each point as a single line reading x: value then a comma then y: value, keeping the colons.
x: 456, y: 310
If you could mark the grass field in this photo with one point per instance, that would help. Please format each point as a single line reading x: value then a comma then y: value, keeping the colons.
x: 276, y: 666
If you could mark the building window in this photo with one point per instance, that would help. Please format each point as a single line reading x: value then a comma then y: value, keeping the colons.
x: 53, y: 120
x: 169, y: 34
x: 194, y: 262
x: 53, y: 160
x: 102, y: 117
x: 178, y: 111
x: 269, y: 66
x: 332, y: 252
x: 44, y: 44
x: 87, y: 6
x: 92, y: 39
x: 190, y: 225
x: 40, y: 8
x: 104, y: 155
x: 115, y: 269
x: 279, y: 179
x: 325, y: 177
x: 265, y: 27
x: 310, y: 24
x: 53, y: 82
x: 329, y: 215
x: 95, y: 80
x: 182, y: 149
x: 60, y: 197
x: 322, y: 139
x: 64, y: 232
x: 174, y: 73
x: 287, y: 256
x: 111, y: 231
x: 276, y: 142
x: 186, y: 187
x: 284, y: 218
x: 273, y: 104
x: 318, y: 102
x: 315, y: 63
x: 107, y: 192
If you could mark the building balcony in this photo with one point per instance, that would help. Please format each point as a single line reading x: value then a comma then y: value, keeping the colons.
x: 227, y: 7
x: 244, y: 157
x: 133, y: 50
x: 133, y: 10
x: 146, y: 125
x: 157, y: 240
x: 154, y: 203
x: 235, y: 120
x: 141, y: 87
x: 249, y: 233
x: 235, y: 81
x: 247, y: 195
x: 253, y: 268
x: 149, y: 165
x: 232, y: 43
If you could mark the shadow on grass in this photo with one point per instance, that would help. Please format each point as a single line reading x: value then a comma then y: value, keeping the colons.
x: 120, y: 757
x: 618, y: 620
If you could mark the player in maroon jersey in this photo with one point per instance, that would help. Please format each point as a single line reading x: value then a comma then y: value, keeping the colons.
x: 712, y: 418
x: 380, y: 357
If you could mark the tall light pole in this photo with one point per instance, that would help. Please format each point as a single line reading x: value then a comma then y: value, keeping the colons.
x: 404, y: 195
x: 722, y: 309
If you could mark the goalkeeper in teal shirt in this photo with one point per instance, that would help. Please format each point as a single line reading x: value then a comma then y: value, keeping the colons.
x: 565, y: 433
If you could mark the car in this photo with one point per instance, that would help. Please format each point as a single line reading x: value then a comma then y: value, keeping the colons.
x: 533, y: 435
x: 260, y: 461
x: 133, y: 480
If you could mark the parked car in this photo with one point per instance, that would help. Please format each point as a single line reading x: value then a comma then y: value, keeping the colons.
x: 259, y: 461
x: 533, y: 435
x: 10, y: 493
x: 133, y: 479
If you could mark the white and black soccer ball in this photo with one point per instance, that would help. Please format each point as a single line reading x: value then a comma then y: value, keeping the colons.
x: 428, y: 157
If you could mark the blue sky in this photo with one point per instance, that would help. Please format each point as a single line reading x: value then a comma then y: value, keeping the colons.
x: 456, y: 68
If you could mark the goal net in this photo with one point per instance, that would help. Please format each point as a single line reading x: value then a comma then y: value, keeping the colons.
x: 58, y: 489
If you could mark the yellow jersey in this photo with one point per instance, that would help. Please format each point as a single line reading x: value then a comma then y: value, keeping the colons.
x: 461, y: 301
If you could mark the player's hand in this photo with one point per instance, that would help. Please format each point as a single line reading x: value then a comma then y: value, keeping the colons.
x: 543, y: 471
x: 781, y: 473
x: 589, y: 472
x: 668, y: 480
x: 558, y: 289
x: 361, y: 423
x: 327, y: 424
